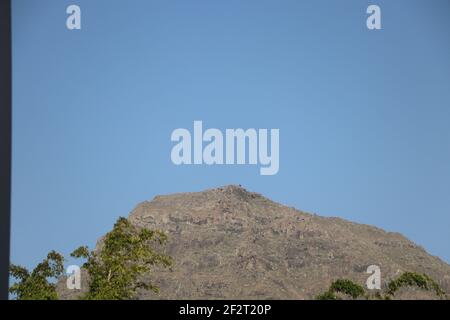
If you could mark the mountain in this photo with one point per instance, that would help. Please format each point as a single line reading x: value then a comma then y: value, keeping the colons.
x: 229, y: 243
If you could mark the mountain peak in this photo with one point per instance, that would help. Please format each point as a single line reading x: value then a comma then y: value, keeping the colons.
x: 230, y: 243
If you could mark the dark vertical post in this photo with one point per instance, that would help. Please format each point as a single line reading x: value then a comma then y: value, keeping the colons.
x: 5, y: 143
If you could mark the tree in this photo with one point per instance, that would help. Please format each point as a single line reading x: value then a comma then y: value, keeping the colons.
x: 123, y: 261
x: 343, y: 286
x: 412, y: 279
x: 36, y: 285
x: 406, y: 279
x: 347, y: 287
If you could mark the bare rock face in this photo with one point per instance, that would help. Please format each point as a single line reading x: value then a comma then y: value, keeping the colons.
x: 229, y: 243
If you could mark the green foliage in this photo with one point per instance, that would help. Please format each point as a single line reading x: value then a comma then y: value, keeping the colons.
x: 347, y: 287
x: 378, y: 296
x: 118, y: 269
x: 328, y: 295
x: 36, y: 285
x: 343, y: 286
x: 411, y: 279
x: 407, y: 279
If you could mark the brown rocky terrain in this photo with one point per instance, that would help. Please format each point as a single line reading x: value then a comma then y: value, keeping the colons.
x: 229, y: 243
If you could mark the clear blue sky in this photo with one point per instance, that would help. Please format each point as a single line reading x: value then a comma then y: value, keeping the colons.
x: 364, y: 116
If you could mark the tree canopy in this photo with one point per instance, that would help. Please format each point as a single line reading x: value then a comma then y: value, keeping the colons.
x: 121, y: 265
x: 117, y: 269
x: 36, y: 285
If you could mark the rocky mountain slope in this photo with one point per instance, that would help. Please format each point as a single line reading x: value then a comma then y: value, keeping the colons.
x: 229, y: 243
